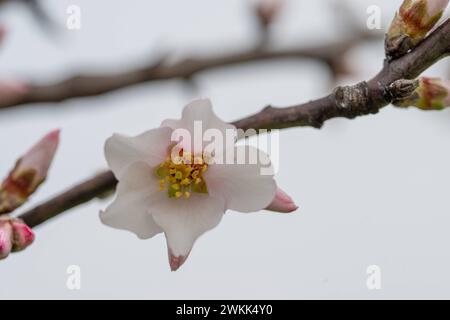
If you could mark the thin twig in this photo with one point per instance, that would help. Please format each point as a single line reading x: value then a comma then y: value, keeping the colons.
x: 93, y: 85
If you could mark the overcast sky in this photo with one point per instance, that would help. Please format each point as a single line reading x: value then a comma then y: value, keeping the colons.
x: 371, y: 191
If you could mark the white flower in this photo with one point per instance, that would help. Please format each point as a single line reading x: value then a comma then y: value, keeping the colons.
x: 184, y: 199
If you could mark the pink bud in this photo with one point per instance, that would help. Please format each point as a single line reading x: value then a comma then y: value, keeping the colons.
x: 39, y: 158
x: 23, y: 236
x: 6, y: 236
x: 282, y: 203
x: 30, y: 171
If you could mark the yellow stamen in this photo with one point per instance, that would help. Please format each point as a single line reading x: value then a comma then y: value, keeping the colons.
x: 179, y: 175
x: 181, y: 178
x: 185, y: 181
x: 176, y: 186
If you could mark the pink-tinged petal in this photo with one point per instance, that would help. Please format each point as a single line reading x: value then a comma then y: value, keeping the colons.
x: 185, y: 220
x: 136, y: 191
x: 282, y: 203
x: 23, y: 236
x: 175, y: 262
x: 244, y: 187
x: 150, y: 147
x: 6, y: 236
x: 30, y: 171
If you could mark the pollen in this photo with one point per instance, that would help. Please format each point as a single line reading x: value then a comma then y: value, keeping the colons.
x: 182, y: 176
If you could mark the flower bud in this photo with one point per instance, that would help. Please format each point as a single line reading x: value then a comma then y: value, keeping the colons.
x: 6, y: 235
x: 282, y: 203
x: 23, y: 236
x: 431, y: 94
x: 412, y: 23
x: 30, y: 171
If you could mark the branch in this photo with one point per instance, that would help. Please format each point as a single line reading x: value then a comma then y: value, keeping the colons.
x: 79, y: 194
x: 92, y: 85
x: 367, y: 97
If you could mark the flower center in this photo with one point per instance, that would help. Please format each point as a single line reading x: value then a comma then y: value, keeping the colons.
x: 182, y: 175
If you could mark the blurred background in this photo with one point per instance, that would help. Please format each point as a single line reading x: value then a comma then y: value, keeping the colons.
x: 371, y: 191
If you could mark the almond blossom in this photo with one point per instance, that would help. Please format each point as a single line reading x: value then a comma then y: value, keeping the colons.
x: 178, y: 190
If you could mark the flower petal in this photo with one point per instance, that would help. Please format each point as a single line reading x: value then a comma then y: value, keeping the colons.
x: 136, y: 192
x: 184, y: 220
x: 243, y: 186
x: 150, y: 147
x: 198, y: 110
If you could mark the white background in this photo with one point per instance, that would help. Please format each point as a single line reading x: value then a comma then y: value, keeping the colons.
x: 373, y: 190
